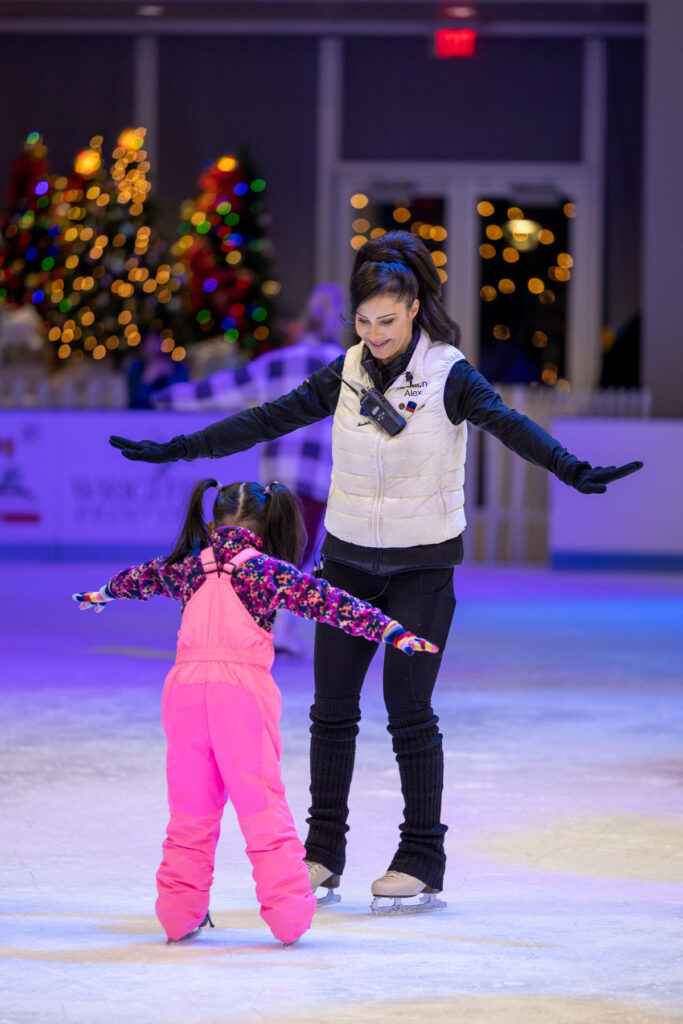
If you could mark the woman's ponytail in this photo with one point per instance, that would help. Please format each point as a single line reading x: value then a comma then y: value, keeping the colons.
x: 194, y: 535
x: 399, y: 263
x: 283, y: 532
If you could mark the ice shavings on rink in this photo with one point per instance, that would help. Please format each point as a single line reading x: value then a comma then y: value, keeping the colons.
x: 560, y: 704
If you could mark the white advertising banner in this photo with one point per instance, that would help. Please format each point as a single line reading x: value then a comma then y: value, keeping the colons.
x: 638, y: 522
x: 65, y: 492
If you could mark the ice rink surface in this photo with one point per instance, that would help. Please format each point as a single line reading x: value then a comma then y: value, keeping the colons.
x: 560, y: 704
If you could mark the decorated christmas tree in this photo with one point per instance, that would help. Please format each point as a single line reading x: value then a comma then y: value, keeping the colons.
x: 112, y: 282
x: 28, y: 234
x: 223, y: 241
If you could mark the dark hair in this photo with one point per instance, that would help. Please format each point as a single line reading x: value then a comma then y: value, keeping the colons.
x: 400, y: 264
x: 272, y: 512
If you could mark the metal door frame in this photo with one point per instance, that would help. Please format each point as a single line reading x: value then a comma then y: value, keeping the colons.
x: 461, y: 186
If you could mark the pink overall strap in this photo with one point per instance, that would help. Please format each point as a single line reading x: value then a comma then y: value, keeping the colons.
x: 243, y: 556
x: 209, y: 563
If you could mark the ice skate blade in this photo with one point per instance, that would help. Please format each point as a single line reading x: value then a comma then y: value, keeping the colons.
x: 194, y: 933
x: 329, y: 900
x: 387, y: 905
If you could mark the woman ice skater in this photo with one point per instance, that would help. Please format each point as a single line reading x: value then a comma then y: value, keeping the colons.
x: 220, y: 705
x: 394, y: 521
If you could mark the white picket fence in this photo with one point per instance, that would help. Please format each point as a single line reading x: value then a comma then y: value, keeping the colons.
x: 506, y: 496
x: 33, y: 389
x: 26, y: 384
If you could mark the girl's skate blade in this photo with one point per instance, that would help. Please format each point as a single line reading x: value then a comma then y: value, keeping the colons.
x: 195, y: 931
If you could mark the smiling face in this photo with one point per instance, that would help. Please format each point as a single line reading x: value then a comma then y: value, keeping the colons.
x: 385, y: 323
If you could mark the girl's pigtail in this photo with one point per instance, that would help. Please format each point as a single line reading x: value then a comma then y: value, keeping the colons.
x: 194, y: 535
x: 284, y: 533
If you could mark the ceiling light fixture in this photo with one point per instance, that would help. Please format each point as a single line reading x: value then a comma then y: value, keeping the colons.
x: 461, y: 11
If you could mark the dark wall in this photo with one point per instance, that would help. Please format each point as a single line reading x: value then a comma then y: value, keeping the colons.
x: 217, y: 94
x: 69, y: 88
x: 518, y: 99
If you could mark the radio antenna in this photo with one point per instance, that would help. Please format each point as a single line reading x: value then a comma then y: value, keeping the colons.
x: 355, y: 390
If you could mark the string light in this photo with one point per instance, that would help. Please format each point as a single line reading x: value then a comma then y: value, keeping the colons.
x: 88, y: 163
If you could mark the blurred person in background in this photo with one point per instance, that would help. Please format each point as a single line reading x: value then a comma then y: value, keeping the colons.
x: 151, y: 371
x: 302, y: 460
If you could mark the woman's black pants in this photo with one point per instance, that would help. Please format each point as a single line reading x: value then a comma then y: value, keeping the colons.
x: 423, y: 602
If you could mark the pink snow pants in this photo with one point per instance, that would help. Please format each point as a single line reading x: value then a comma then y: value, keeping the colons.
x: 220, y: 711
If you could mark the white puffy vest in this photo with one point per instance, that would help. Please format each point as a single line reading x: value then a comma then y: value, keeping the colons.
x: 401, y: 491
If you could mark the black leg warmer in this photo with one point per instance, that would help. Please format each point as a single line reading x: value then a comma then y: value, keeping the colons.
x: 333, y: 748
x: 419, y: 753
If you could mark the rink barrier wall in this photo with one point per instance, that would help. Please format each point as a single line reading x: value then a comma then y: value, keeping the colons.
x: 65, y: 493
x: 582, y: 560
x: 124, y: 555
x: 637, y: 524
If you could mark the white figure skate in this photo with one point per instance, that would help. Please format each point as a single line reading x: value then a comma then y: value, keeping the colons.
x: 394, y: 887
x: 319, y: 875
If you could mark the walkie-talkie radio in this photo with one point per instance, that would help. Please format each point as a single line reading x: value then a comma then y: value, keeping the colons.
x: 375, y: 406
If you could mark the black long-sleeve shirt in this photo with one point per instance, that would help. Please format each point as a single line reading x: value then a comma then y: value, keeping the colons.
x: 468, y: 396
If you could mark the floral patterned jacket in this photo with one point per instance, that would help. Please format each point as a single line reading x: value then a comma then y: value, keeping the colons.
x: 263, y: 584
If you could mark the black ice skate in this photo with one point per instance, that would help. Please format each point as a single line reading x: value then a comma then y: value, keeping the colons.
x: 194, y: 932
x: 319, y: 875
x: 394, y: 887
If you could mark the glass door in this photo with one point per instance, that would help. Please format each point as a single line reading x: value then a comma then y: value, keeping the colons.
x: 525, y: 272
x: 515, y: 248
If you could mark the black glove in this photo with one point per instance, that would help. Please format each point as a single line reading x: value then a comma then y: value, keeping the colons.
x: 150, y: 451
x: 594, y: 480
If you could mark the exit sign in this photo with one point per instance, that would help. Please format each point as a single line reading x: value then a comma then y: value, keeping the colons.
x: 454, y: 42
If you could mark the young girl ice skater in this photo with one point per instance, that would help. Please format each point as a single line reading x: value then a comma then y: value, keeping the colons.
x: 220, y: 705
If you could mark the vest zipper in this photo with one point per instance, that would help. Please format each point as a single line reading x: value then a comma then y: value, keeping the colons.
x: 379, y: 491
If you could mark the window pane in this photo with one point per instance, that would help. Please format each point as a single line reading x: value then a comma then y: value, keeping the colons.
x: 525, y: 271
x: 380, y: 209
